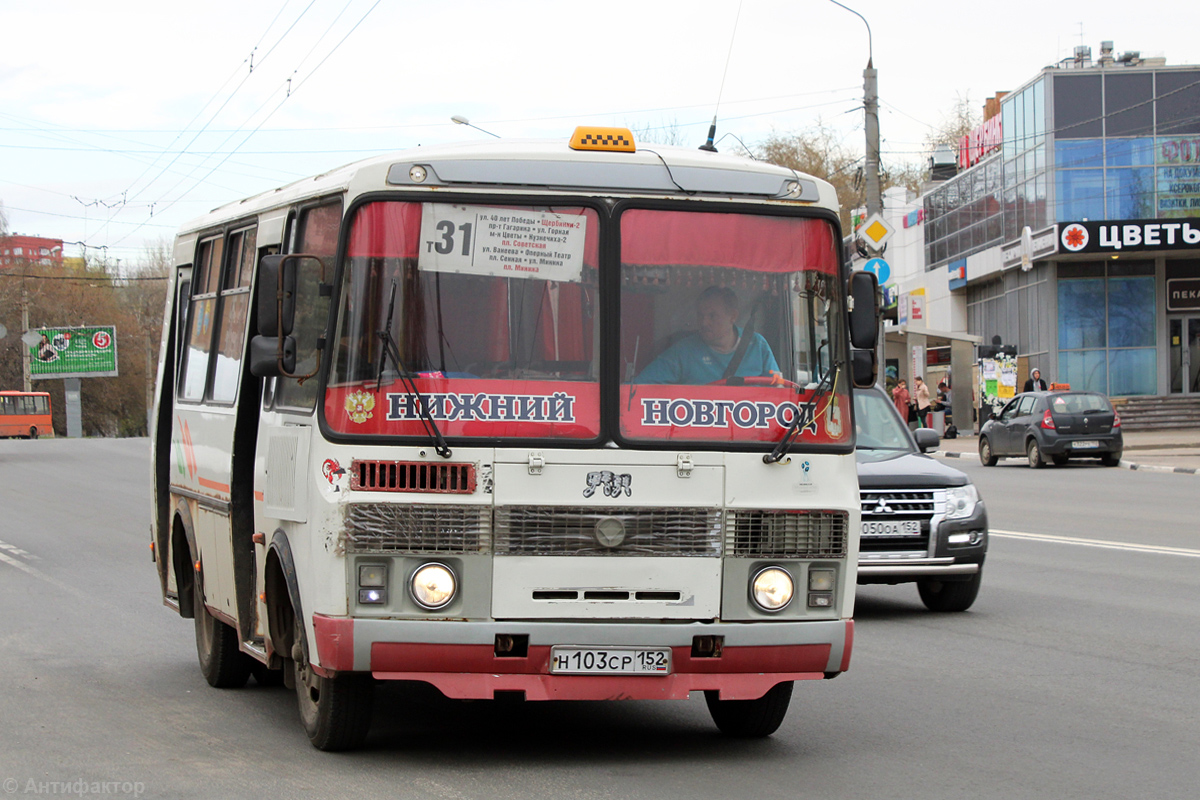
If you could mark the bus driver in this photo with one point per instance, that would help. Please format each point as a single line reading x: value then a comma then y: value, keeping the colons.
x: 703, y: 357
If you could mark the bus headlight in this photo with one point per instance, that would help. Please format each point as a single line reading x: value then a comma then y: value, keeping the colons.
x: 372, y: 584
x: 772, y: 588
x: 433, y: 586
x: 821, y: 583
x: 961, y: 500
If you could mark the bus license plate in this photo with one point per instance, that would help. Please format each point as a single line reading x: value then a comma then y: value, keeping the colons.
x: 1085, y: 445
x: 906, y: 527
x: 570, y: 660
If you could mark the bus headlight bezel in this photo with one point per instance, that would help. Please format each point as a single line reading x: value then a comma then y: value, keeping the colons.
x: 419, y: 588
x: 772, y: 580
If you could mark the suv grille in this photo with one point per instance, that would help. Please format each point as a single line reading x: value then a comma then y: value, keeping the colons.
x: 898, y: 505
x: 786, y: 534
x: 399, y: 528
x: 567, y: 531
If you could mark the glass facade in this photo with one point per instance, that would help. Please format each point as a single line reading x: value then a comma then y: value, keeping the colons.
x: 1106, y: 327
x: 1125, y: 144
x: 990, y: 203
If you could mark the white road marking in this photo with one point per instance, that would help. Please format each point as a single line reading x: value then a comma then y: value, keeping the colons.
x: 18, y: 552
x: 37, y: 573
x: 1105, y: 544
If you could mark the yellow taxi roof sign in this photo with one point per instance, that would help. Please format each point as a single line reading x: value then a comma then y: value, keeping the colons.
x: 588, y: 137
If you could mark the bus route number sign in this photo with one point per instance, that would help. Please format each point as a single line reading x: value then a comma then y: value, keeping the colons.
x: 503, y: 242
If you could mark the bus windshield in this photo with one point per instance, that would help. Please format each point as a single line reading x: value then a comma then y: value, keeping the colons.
x: 729, y: 325
x: 495, y: 314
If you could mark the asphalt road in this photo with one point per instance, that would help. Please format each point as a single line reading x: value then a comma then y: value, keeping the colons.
x: 1074, y: 675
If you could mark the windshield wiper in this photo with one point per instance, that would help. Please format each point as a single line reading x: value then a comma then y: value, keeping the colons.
x: 390, y: 348
x: 803, y: 416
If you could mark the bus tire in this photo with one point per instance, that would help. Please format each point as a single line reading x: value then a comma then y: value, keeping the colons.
x: 222, y: 663
x: 750, y: 719
x: 335, y: 712
x: 33, y: 433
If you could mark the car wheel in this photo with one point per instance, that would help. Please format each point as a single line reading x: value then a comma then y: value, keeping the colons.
x: 335, y: 712
x: 222, y: 663
x: 950, y: 596
x: 1060, y: 460
x: 750, y: 719
x: 1111, y: 459
x: 986, y: 456
x: 1034, y: 453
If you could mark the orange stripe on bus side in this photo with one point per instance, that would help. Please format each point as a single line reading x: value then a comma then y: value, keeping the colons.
x: 218, y: 487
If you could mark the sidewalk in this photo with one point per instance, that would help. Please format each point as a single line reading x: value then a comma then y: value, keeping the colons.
x: 1171, y: 450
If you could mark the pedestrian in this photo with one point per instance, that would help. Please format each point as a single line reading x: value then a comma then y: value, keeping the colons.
x: 922, y: 400
x: 1035, y: 382
x: 901, y: 398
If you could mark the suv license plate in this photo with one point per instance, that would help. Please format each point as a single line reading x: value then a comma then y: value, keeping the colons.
x: 1085, y: 445
x: 907, y: 527
x: 571, y: 660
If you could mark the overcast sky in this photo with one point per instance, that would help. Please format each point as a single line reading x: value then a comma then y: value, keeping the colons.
x: 121, y: 120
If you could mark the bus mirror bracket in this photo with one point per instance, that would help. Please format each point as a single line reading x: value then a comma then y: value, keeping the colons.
x: 863, y: 294
x: 863, y: 367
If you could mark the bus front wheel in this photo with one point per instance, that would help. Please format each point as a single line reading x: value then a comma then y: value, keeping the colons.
x: 335, y: 712
x: 750, y: 719
x: 33, y: 433
x: 221, y: 661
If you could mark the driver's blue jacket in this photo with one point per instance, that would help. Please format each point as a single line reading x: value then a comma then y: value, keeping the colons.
x: 691, y: 361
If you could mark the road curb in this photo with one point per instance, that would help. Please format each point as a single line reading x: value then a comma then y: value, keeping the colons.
x: 1129, y: 465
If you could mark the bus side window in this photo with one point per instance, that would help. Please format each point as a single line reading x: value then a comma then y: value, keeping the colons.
x: 194, y: 369
x: 234, y: 313
x: 315, y: 234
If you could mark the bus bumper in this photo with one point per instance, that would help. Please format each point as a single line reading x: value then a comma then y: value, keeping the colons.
x: 460, y: 658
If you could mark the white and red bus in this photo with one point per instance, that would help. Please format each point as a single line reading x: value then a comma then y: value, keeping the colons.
x: 25, y: 415
x: 560, y: 420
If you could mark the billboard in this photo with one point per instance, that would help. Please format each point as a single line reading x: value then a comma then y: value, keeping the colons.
x: 88, y: 352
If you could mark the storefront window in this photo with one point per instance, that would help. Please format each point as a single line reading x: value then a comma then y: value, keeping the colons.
x: 1106, y: 329
x: 1080, y: 194
x: 1129, y: 152
x: 1084, y: 370
x: 1075, y: 153
x: 1132, y: 371
x: 1129, y: 193
x: 1081, y: 314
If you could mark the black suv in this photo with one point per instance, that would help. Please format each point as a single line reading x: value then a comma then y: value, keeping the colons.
x: 922, y: 520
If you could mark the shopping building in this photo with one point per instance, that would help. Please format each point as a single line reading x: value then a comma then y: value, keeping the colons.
x: 1072, y: 228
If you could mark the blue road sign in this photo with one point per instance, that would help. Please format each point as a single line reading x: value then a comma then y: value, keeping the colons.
x: 879, y: 268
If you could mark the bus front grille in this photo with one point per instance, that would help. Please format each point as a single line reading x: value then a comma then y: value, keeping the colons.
x: 581, y: 531
x: 786, y: 534
x: 423, y: 529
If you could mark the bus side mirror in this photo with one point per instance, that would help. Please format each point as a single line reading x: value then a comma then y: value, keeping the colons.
x: 863, y: 368
x: 276, y: 295
x: 863, y: 292
x: 272, y: 356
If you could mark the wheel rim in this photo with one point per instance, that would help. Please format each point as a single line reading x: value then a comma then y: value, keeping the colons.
x: 1035, y: 455
x: 308, y: 683
x: 204, y: 631
x: 985, y: 451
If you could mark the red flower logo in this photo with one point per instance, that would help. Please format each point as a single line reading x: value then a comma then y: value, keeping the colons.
x: 1075, y: 237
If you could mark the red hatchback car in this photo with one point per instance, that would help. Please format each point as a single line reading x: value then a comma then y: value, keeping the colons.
x: 1054, y: 427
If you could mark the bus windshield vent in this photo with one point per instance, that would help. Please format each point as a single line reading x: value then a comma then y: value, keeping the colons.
x: 412, y: 476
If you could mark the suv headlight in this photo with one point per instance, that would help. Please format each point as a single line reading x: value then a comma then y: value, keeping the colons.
x: 960, y: 501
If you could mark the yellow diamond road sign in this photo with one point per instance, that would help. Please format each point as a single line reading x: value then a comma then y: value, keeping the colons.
x: 876, y: 231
